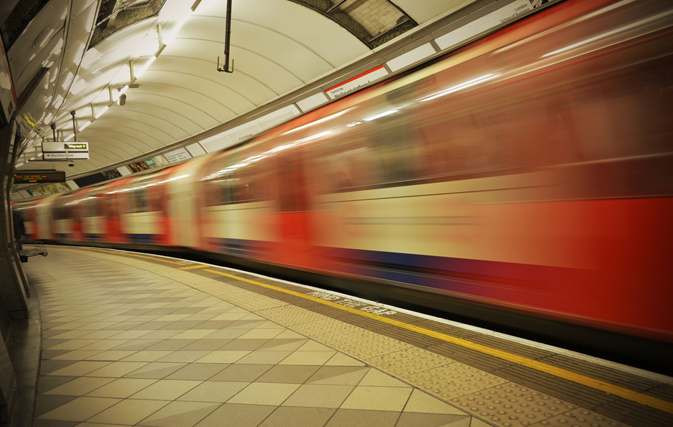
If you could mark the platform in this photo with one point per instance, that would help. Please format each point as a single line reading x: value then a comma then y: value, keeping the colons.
x: 134, y: 339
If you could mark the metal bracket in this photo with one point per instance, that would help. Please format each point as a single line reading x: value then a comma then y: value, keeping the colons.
x: 226, y: 64
x: 227, y: 40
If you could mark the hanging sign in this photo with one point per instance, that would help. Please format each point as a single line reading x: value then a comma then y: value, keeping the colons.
x: 64, y: 151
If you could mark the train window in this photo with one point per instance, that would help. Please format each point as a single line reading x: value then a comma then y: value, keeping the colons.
x: 221, y: 186
x: 222, y: 190
x: 138, y: 199
x: 393, y: 148
x: 346, y: 168
x: 250, y: 182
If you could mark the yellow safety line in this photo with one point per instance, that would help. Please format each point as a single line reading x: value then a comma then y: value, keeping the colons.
x: 625, y: 393
x: 139, y: 256
x: 193, y: 267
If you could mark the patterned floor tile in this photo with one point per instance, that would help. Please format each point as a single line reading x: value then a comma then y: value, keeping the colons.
x: 237, y: 415
x: 179, y: 414
x: 128, y: 412
x: 268, y: 357
x: 115, y: 369
x: 184, y: 356
x: 74, y: 369
x: 80, y: 409
x: 156, y: 370
x: 319, y: 396
x: 265, y: 394
x: 433, y: 420
x: 298, y: 417
x: 338, y: 375
x: 213, y: 391
x: 359, y: 418
x: 166, y: 389
x: 222, y: 357
x: 308, y: 358
x: 244, y: 373
x: 378, y: 398
x: 171, y: 344
x: 45, y: 403
x: 146, y: 356
x: 80, y: 386
x: 288, y: 374
x: 377, y: 378
x: 77, y: 355
x: 420, y: 402
x: 283, y: 344
x: 341, y: 359
x: 46, y: 382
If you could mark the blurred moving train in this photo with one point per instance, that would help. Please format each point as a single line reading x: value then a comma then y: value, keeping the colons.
x: 530, y: 171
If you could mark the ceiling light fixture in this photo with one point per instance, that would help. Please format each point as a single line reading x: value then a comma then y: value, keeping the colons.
x: 101, y: 112
x: 84, y: 126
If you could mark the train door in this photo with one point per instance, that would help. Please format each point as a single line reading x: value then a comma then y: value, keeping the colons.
x: 216, y: 199
x: 294, y: 218
x: 180, y: 201
x: 74, y: 212
x: 110, y: 197
x: 157, y: 195
x: 29, y: 212
x: 44, y: 214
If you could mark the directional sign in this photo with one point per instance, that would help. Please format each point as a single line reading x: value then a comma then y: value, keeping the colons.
x: 58, y: 150
x: 63, y: 155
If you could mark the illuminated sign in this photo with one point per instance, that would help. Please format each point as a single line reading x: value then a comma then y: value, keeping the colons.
x: 76, y: 146
x: 39, y: 177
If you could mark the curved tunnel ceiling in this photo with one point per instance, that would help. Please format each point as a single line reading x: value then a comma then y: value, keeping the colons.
x: 278, y: 46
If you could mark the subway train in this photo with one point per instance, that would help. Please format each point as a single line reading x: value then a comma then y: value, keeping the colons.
x: 526, y: 175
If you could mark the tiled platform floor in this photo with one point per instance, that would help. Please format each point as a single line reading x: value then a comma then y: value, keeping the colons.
x: 127, y: 342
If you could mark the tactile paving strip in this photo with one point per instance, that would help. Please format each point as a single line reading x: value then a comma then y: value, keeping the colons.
x: 408, y: 361
x: 510, y: 405
x: 290, y: 315
x: 355, y: 341
x: 579, y: 418
x: 453, y: 380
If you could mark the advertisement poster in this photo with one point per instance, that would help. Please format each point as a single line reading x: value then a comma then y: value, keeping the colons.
x: 138, y: 166
x: 111, y: 174
x: 178, y: 155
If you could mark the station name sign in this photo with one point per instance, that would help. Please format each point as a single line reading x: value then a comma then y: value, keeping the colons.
x: 39, y: 177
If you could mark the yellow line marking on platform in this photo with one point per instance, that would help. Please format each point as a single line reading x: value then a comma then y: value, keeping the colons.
x: 594, y: 383
x: 139, y: 256
x: 193, y: 267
